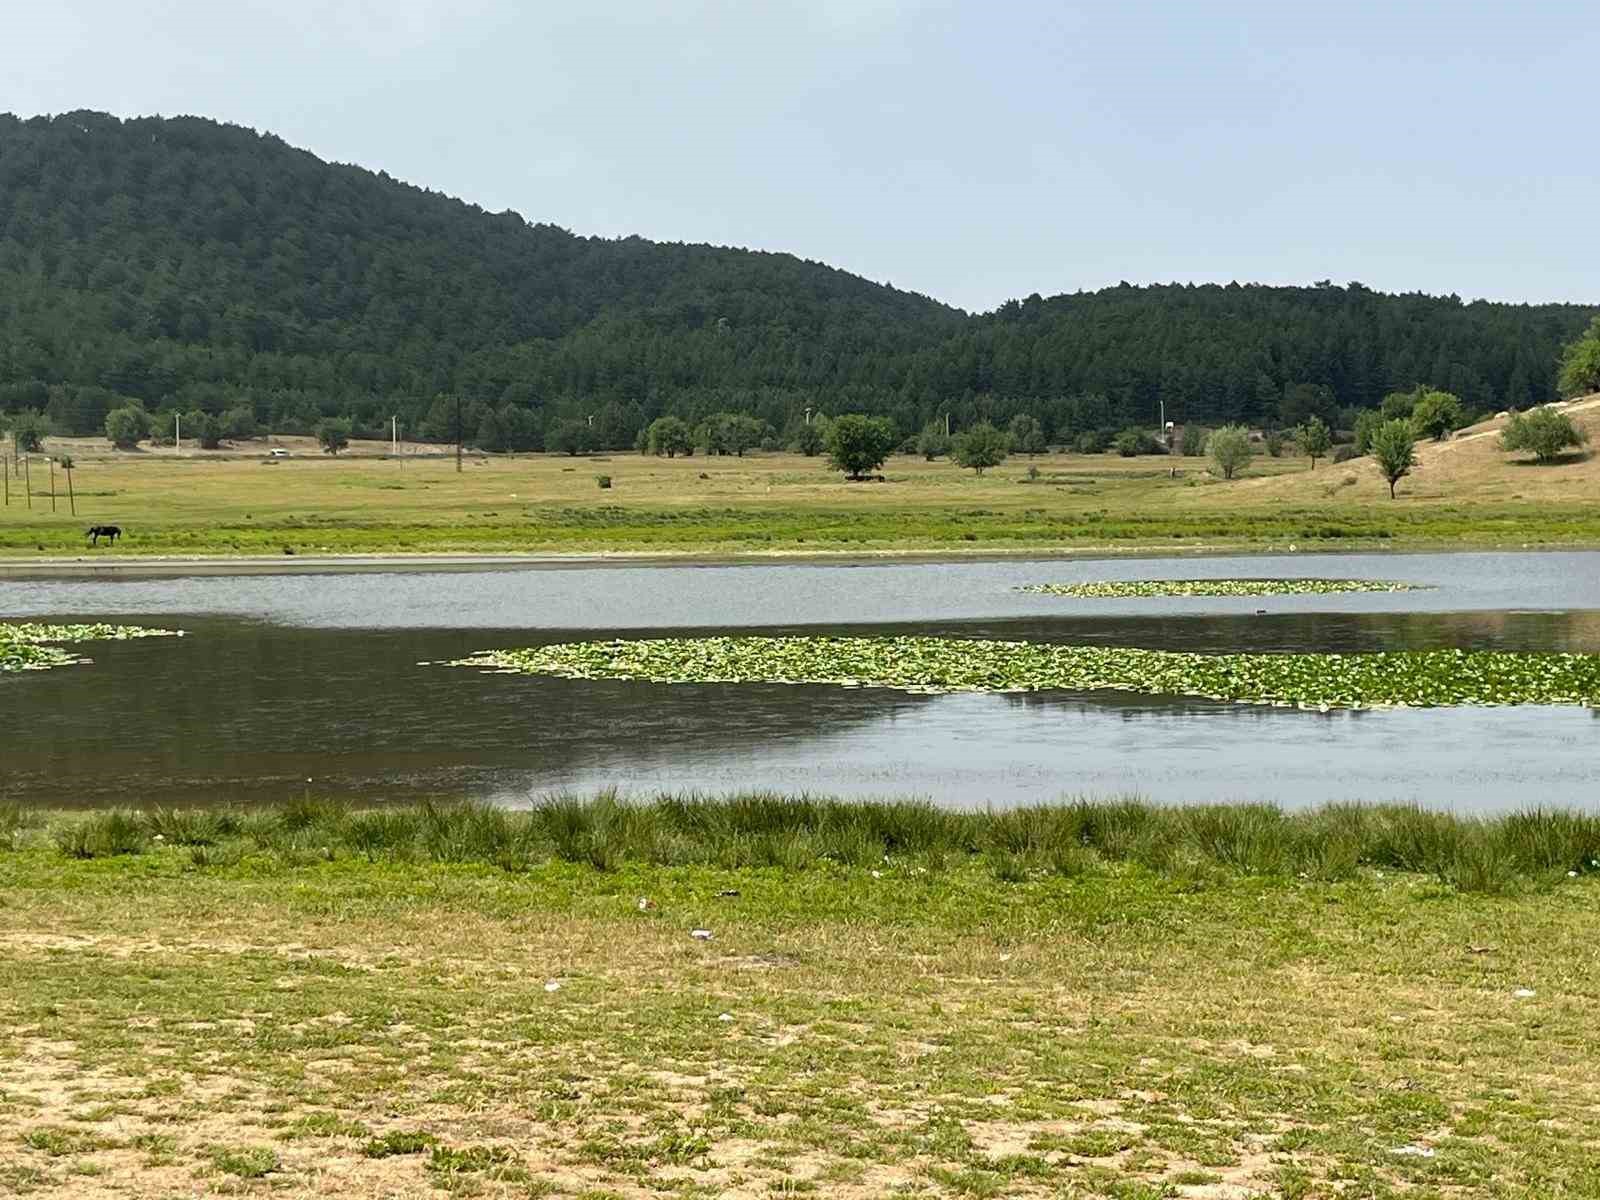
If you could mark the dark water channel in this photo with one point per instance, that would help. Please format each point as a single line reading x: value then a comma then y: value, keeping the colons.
x: 286, y: 677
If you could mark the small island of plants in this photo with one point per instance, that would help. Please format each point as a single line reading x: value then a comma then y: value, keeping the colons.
x: 1138, y: 589
x: 36, y: 647
x: 1421, y: 678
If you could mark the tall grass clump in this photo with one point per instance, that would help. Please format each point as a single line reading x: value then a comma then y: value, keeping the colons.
x: 1191, y: 846
x: 103, y: 835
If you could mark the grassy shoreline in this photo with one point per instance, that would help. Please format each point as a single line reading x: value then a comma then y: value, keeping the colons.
x: 423, y: 1017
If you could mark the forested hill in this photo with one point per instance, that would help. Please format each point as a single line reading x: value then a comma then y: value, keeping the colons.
x: 191, y: 265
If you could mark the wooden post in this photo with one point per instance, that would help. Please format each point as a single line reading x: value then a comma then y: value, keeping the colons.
x: 52, y: 463
x: 27, y: 478
x: 71, y: 499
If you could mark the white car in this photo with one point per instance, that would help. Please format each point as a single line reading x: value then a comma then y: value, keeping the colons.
x: 277, y: 452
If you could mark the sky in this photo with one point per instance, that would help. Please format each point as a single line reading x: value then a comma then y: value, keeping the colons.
x: 973, y: 152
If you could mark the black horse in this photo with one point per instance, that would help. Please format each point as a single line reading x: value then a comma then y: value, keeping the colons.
x: 110, y: 532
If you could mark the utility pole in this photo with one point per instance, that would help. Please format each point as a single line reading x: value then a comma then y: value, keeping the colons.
x: 458, y: 433
x: 177, y: 434
x: 394, y: 436
x: 27, y: 478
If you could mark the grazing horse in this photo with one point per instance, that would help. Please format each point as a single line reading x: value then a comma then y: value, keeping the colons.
x: 110, y: 532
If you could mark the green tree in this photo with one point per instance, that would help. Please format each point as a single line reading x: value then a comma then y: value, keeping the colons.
x: 668, y: 435
x: 1394, y: 449
x: 127, y: 426
x: 1580, y: 363
x: 1314, y: 439
x: 1544, y: 431
x: 1436, y: 414
x: 809, y: 438
x: 859, y: 444
x: 1366, y: 425
x: 1229, y: 448
x: 1194, y: 440
x: 334, y: 434
x: 203, y: 429
x: 933, y: 442
x: 240, y: 422
x: 29, y: 428
x: 569, y: 437
x: 1027, y: 435
x: 981, y: 446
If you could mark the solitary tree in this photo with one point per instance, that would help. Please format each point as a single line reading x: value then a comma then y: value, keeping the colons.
x: 1229, y: 448
x: 810, y: 437
x: 127, y: 426
x: 1580, y: 364
x: 1314, y: 437
x: 981, y: 446
x: 858, y: 444
x: 1544, y: 431
x: 1436, y: 415
x: 1394, y: 449
x: 30, y: 428
x: 668, y: 435
x: 334, y: 434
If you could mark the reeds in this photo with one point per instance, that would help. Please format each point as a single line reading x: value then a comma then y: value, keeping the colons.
x: 794, y: 833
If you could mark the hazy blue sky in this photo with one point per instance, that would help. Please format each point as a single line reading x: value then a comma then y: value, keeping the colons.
x: 970, y: 151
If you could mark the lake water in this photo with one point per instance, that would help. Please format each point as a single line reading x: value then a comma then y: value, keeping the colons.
x: 285, y: 677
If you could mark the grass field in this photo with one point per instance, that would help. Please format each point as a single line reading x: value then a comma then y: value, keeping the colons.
x: 308, y: 1002
x: 1465, y: 492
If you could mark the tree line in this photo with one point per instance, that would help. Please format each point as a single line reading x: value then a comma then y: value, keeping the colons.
x: 189, y: 269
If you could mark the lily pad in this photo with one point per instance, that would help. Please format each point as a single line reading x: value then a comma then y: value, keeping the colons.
x: 1133, y: 589
x: 1421, y: 678
x: 37, y: 647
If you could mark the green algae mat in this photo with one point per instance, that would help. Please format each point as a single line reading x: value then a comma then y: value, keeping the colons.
x: 1420, y: 678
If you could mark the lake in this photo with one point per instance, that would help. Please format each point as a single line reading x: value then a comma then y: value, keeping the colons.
x: 290, y: 676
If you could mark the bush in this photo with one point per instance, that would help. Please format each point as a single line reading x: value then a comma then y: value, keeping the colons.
x: 809, y: 439
x: 1229, y: 448
x: 1274, y: 442
x: 981, y: 446
x: 604, y: 482
x: 1093, y: 441
x: 570, y: 437
x: 858, y: 444
x: 1580, y: 363
x: 1194, y: 441
x: 1366, y: 425
x: 1343, y: 454
x: 1544, y: 432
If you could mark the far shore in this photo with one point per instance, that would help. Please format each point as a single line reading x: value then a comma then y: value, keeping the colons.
x: 166, y: 566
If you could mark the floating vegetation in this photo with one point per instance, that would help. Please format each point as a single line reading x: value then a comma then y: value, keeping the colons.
x: 35, y: 647
x: 1422, y: 678
x: 1132, y: 589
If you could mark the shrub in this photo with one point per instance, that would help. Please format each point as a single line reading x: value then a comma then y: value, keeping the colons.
x: 1026, y: 434
x: 1580, y: 363
x: 1366, y: 425
x: 103, y: 835
x: 1093, y: 441
x: 1274, y: 443
x: 1343, y: 454
x: 1544, y: 431
x: 981, y: 446
x: 809, y: 439
x: 1194, y: 441
x: 604, y: 482
x: 1229, y: 448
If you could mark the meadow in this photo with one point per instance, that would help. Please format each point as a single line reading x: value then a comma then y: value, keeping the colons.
x: 1465, y: 493
x: 765, y: 997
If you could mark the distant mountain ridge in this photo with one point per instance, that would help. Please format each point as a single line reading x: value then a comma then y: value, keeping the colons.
x: 187, y: 264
